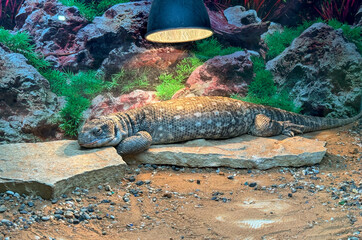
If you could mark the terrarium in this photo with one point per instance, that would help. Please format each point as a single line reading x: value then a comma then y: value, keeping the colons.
x: 182, y: 119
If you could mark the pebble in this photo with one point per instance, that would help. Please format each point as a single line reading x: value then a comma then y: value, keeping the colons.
x: 231, y: 177
x: 30, y: 204
x: 253, y: 184
x: 10, y: 193
x: 68, y: 214
x: 45, y: 218
x: 2, y: 209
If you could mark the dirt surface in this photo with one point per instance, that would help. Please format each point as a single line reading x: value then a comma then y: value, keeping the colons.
x: 164, y: 202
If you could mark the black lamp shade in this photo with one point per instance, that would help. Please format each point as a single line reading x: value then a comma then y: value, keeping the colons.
x: 173, y: 21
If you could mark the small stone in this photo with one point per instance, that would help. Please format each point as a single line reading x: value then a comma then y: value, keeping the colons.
x: 231, y: 177
x: 54, y: 201
x: 290, y: 195
x: 253, y: 184
x: 68, y: 214
x: 131, y: 179
x: 139, y: 183
x: 108, y: 188
x: 167, y: 195
x: 2, y: 209
x: 45, y: 218
x: 10, y: 193
x: 30, y: 204
x: 100, y: 187
x: 198, y: 181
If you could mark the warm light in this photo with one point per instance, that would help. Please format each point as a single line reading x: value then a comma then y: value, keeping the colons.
x: 179, y: 35
x: 176, y: 21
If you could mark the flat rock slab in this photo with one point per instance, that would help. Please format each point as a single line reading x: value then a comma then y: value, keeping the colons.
x: 241, y: 152
x: 50, y: 169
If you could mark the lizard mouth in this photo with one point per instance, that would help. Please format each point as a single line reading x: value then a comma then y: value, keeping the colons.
x: 96, y: 143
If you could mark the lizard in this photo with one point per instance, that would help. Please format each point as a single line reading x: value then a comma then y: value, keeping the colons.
x: 207, y: 117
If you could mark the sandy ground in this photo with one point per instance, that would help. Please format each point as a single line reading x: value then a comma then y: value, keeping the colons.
x: 320, y: 202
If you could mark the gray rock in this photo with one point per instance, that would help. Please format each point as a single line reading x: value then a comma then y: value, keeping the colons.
x: 3, y: 209
x: 120, y: 26
x: 28, y: 109
x: 232, y: 15
x: 322, y: 72
x: 50, y: 169
x: 241, y: 152
x: 238, y: 16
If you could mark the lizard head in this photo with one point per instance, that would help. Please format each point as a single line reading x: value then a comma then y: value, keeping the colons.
x: 99, y: 132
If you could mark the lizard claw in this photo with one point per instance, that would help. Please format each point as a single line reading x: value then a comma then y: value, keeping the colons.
x: 290, y: 129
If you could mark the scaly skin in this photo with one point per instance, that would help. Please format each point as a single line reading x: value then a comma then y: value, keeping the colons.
x: 184, y: 119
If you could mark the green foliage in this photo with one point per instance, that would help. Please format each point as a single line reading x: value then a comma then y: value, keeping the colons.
x: 171, y: 83
x: 21, y: 43
x: 210, y: 48
x: 353, y: 34
x: 78, y: 90
x: 126, y: 81
x: 91, y: 10
x: 262, y: 89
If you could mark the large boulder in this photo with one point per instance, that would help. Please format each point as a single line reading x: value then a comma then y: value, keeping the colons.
x: 122, y: 25
x: 53, y: 28
x: 50, y: 169
x: 322, y: 72
x: 220, y: 76
x: 103, y: 105
x: 28, y: 109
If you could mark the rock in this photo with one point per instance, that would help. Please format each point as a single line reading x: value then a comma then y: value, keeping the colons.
x: 3, y: 209
x: 321, y: 71
x: 241, y: 152
x: 155, y: 60
x: 54, y: 32
x: 120, y: 26
x: 273, y: 27
x: 51, y: 169
x: 104, y: 105
x: 220, y: 76
x: 232, y: 15
x: 238, y: 16
x: 358, y: 17
x: 247, y: 36
x: 28, y: 109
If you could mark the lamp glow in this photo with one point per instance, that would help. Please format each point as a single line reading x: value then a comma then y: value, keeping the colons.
x: 175, y: 21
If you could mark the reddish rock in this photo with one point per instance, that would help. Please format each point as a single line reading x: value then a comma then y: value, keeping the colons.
x: 220, y: 76
x: 156, y: 60
x: 161, y: 58
x: 53, y: 28
x: 247, y: 35
x: 104, y: 105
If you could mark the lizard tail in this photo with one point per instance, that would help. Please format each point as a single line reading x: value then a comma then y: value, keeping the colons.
x: 310, y: 123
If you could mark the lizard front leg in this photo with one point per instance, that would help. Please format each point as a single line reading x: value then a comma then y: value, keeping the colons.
x: 140, y: 142
x: 265, y: 127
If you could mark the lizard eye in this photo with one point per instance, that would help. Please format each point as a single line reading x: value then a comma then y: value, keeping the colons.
x: 97, y: 131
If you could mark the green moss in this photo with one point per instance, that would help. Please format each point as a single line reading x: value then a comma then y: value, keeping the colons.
x: 127, y: 81
x: 210, y: 48
x: 91, y: 10
x: 171, y: 83
x: 262, y: 89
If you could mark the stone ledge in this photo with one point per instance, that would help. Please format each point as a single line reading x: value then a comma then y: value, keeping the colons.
x: 241, y: 152
x: 50, y: 169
